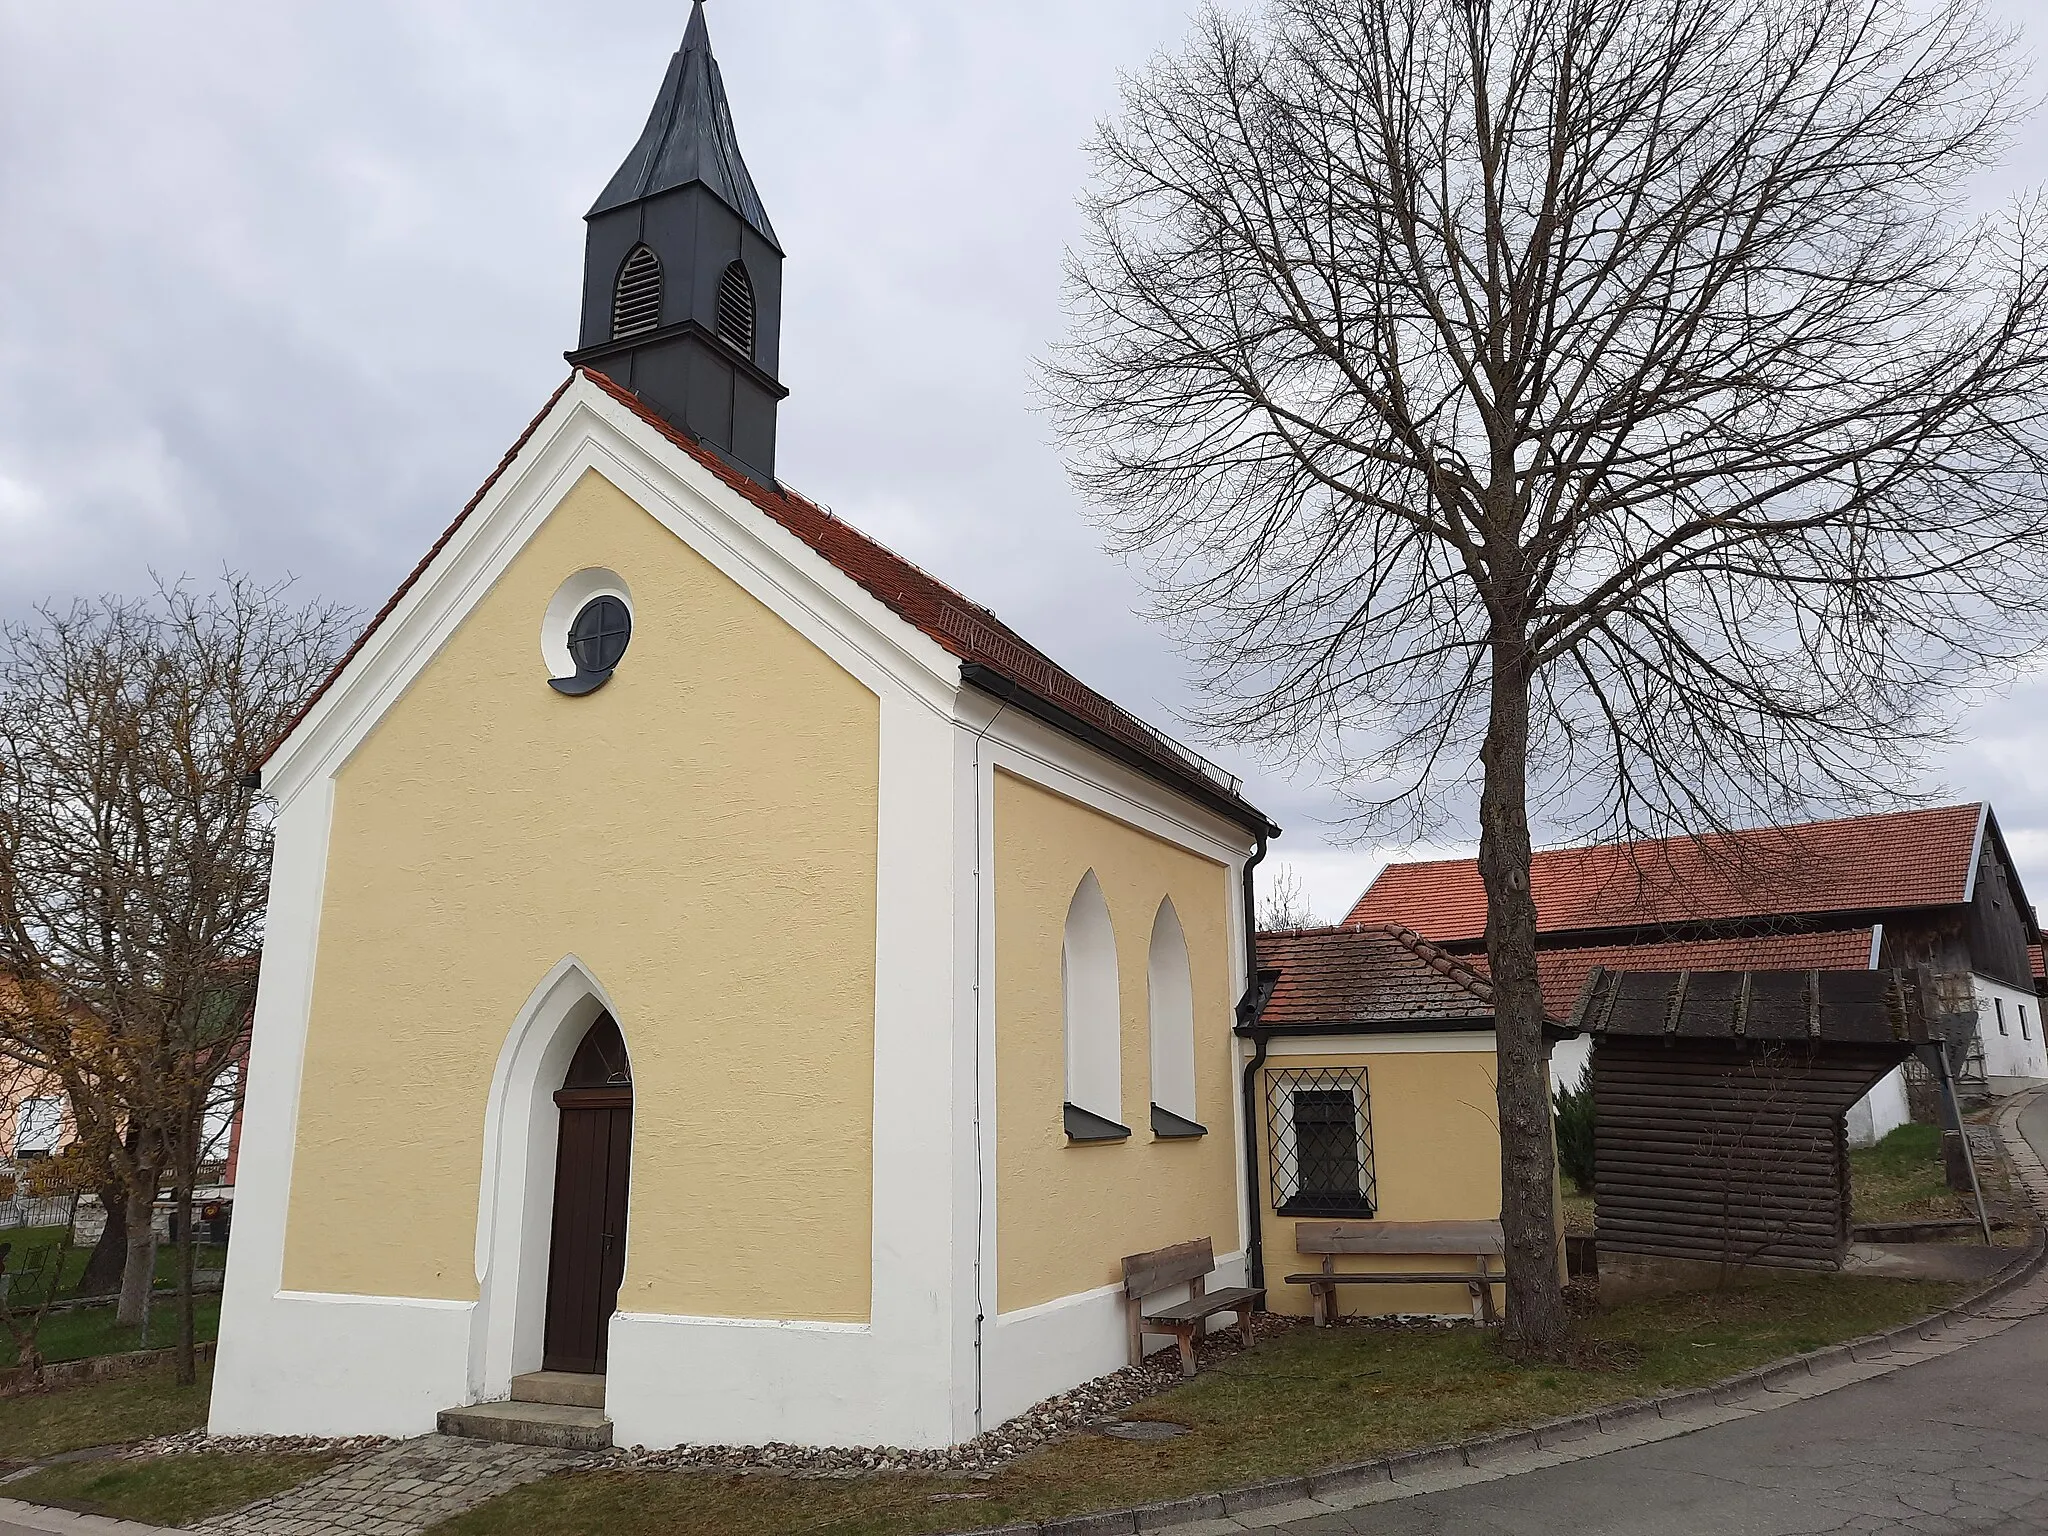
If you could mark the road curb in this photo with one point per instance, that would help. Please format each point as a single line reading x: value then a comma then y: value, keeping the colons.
x: 1758, y: 1390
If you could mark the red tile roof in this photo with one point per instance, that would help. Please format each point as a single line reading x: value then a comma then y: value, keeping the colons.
x: 1562, y: 973
x: 1862, y: 864
x: 1376, y: 978
x: 966, y: 629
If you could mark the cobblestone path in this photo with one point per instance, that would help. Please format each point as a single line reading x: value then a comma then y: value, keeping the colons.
x: 397, y: 1492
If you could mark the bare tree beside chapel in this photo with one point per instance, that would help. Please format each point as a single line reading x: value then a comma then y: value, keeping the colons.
x: 1577, y: 416
x: 134, y: 871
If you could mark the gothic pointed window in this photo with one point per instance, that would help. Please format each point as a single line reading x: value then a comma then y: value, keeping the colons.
x: 1093, y: 1017
x: 736, y: 310
x: 636, y: 300
x: 1170, y: 990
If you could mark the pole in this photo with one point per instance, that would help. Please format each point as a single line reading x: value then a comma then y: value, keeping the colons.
x: 1955, y: 1114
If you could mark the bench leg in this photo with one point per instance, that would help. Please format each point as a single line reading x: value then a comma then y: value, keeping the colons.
x: 1185, y: 1336
x: 1320, y: 1298
x: 1482, y: 1296
x: 1244, y: 1326
x: 1134, y: 1322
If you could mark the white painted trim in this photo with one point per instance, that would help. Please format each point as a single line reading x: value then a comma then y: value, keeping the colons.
x: 786, y: 1325
x: 1029, y: 749
x: 589, y: 430
x: 255, y: 1375
x: 336, y: 1299
x: 1977, y: 852
x: 1059, y: 1304
x: 1457, y: 1042
x: 1876, y: 944
x: 515, y: 1196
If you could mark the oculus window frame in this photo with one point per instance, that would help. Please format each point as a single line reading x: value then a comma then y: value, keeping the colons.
x: 581, y: 659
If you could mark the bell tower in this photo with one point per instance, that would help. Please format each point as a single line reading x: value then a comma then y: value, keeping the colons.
x: 682, y: 279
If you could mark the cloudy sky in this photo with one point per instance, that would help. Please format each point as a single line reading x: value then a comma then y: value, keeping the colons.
x: 279, y: 283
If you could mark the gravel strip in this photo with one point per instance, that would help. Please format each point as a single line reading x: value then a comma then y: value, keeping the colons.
x: 197, y: 1442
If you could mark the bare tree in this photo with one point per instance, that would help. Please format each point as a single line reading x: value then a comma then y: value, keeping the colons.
x: 1286, y: 907
x: 134, y: 868
x: 1595, y: 409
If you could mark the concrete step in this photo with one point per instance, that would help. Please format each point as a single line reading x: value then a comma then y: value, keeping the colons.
x: 550, y: 1424
x: 561, y: 1387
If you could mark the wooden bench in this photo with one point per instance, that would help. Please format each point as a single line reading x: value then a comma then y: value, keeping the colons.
x: 1189, y: 1264
x: 1477, y: 1241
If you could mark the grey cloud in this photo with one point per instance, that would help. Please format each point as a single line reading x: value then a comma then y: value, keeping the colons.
x: 278, y: 284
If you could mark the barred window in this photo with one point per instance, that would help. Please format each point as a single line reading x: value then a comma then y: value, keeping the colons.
x: 1319, y: 1141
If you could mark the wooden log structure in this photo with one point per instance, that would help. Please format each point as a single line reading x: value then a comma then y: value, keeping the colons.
x: 1719, y: 1100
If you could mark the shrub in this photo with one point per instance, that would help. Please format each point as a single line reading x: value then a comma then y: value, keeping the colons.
x: 1574, y: 1107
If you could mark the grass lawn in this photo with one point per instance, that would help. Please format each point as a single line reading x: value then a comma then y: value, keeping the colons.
x: 105, y: 1413
x: 175, y: 1490
x: 1301, y: 1401
x: 92, y: 1331
x: 26, y: 1241
x: 1901, y: 1179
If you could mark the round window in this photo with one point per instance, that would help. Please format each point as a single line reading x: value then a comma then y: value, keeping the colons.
x: 599, y: 636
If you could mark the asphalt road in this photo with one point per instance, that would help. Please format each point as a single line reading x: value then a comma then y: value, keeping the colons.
x: 1950, y: 1445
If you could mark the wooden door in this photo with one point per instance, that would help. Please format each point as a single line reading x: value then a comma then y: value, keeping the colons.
x: 593, y: 1178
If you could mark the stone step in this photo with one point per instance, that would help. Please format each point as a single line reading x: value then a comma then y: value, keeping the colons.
x: 571, y: 1391
x: 550, y: 1424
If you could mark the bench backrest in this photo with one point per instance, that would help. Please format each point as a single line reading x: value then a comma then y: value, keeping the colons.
x: 1145, y: 1273
x: 1473, y: 1237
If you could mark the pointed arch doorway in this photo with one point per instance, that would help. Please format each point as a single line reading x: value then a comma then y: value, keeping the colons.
x: 593, y: 1176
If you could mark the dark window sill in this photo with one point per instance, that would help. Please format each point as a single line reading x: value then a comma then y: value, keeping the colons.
x: 1087, y: 1127
x: 1326, y: 1205
x: 1167, y: 1126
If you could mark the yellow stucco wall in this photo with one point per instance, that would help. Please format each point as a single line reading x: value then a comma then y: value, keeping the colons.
x: 1067, y: 1214
x: 702, y: 834
x: 1436, y: 1157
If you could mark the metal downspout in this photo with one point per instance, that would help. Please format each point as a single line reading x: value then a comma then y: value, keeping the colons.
x: 1255, y: 1242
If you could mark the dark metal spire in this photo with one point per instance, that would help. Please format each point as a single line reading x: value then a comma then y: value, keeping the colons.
x: 689, y: 138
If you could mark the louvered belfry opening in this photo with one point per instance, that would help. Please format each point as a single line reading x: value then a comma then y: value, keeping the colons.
x: 636, y: 301
x: 736, y: 310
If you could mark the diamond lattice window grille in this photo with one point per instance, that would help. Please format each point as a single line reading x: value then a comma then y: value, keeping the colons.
x: 1319, y: 1141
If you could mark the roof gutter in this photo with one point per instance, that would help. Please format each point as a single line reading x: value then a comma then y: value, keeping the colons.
x: 1196, y: 788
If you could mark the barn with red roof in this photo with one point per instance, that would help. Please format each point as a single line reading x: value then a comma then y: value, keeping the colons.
x: 1933, y: 888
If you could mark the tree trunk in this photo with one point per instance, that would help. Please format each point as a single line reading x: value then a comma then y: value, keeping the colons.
x: 138, y: 1273
x: 1536, y: 1318
x: 109, y: 1259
